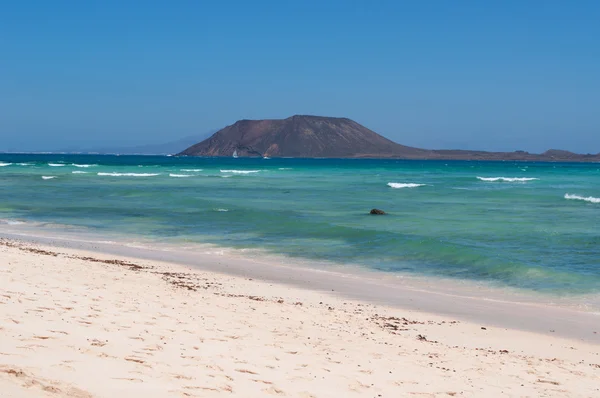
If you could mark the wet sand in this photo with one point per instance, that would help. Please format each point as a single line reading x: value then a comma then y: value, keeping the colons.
x: 466, y: 301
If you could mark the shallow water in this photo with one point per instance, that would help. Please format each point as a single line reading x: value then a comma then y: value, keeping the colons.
x: 532, y: 226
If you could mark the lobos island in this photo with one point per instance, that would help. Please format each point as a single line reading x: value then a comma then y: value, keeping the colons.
x: 305, y: 136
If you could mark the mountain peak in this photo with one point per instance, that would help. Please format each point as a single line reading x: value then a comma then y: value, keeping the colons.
x: 297, y: 136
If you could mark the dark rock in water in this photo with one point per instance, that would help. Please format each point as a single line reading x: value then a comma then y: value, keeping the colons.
x: 377, y: 212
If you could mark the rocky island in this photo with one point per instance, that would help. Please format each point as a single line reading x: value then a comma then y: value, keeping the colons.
x: 303, y: 136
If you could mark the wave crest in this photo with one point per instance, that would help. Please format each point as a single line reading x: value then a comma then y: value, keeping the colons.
x: 128, y: 174
x: 240, y: 171
x: 48, y: 177
x: 56, y: 164
x: 399, y: 185
x: 11, y: 222
x: 590, y: 199
x: 507, y: 179
x: 84, y: 165
x: 192, y: 170
x: 180, y: 175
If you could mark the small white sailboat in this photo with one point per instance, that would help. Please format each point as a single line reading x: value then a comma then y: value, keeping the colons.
x: 235, y: 154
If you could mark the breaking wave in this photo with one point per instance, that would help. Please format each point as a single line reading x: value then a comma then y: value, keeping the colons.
x: 11, y: 222
x: 79, y: 172
x: 128, y: 174
x: 240, y: 171
x: 404, y: 185
x: 2, y: 164
x: 507, y: 179
x: 221, y: 210
x: 84, y: 165
x: 48, y: 177
x: 590, y: 199
x: 192, y: 170
x: 56, y: 164
x: 180, y: 175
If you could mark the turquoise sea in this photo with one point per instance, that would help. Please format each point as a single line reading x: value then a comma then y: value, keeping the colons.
x: 532, y: 226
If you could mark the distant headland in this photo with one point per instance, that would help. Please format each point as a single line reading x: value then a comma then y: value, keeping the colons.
x: 303, y: 136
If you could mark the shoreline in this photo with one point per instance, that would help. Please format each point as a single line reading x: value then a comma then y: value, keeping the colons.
x: 159, y: 329
x: 430, y: 297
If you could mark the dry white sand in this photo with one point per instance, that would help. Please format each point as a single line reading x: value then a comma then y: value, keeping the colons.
x: 80, y: 324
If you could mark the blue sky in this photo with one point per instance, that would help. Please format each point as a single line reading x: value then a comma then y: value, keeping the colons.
x: 498, y: 75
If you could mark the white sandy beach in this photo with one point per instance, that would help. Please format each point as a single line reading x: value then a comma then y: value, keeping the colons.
x: 84, y: 324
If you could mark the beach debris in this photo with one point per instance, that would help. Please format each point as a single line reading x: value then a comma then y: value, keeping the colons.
x: 15, y: 244
x: 556, y: 383
x: 131, y: 266
x: 422, y: 337
x: 393, y: 323
x: 483, y: 328
x: 97, y: 343
x: 27, y: 248
x: 130, y: 359
x: 14, y: 372
x: 188, y: 280
x: 377, y: 212
x: 257, y: 298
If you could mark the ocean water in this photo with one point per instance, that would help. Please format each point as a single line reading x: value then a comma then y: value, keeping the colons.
x: 530, y: 226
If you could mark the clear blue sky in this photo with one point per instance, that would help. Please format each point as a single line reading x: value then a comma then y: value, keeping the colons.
x: 497, y: 75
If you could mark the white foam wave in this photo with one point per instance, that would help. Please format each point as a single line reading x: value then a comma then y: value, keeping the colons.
x: 240, y: 171
x: 2, y: 164
x: 11, y: 222
x: 507, y: 179
x: 180, y: 175
x: 128, y: 174
x: 56, y: 164
x: 24, y: 164
x: 590, y: 199
x: 222, y: 210
x: 79, y: 172
x: 48, y: 177
x: 84, y: 165
x: 404, y: 185
x: 192, y: 170
x: 285, y: 168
